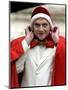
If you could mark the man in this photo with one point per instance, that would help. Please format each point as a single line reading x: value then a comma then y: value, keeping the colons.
x: 40, y: 55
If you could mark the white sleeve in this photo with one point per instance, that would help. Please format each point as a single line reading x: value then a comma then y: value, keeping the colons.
x: 20, y: 63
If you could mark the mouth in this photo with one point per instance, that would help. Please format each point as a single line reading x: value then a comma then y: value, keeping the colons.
x: 41, y: 33
x: 40, y: 36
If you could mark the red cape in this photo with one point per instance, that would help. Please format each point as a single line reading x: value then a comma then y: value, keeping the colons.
x: 59, y: 71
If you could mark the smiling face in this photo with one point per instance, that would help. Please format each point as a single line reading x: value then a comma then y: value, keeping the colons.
x: 41, y: 28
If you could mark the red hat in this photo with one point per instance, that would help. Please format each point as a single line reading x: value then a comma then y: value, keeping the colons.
x: 40, y: 11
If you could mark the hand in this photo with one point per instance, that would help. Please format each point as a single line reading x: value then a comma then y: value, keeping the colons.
x: 29, y: 35
x: 55, y: 34
x: 27, y: 30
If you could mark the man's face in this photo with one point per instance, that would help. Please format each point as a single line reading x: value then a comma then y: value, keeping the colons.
x: 41, y: 28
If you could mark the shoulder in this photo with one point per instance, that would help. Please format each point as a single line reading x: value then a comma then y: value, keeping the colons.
x: 61, y: 41
x: 61, y: 38
x: 17, y: 40
x: 61, y: 45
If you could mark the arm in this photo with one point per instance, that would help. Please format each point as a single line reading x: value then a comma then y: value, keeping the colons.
x: 16, y: 51
x: 17, y: 48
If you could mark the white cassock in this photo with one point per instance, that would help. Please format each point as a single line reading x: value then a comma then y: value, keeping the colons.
x: 37, y: 66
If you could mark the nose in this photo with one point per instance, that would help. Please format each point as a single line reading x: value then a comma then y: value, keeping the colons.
x: 41, y: 28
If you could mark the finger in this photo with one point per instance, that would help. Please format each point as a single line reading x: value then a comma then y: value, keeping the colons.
x: 50, y: 32
x: 57, y: 31
x: 26, y: 30
x: 31, y: 34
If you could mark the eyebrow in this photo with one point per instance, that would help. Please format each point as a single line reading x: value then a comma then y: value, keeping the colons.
x: 40, y: 24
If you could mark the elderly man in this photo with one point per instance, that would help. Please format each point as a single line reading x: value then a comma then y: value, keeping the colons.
x: 40, y: 55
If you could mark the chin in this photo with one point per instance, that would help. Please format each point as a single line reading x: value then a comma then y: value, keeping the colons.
x: 41, y: 39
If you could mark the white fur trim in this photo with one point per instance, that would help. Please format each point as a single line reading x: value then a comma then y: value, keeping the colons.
x: 25, y: 45
x: 43, y: 16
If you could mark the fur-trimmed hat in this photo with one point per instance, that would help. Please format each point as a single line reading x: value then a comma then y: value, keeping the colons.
x: 41, y: 11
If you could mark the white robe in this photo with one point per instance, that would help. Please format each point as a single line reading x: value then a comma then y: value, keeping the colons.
x: 37, y: 63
